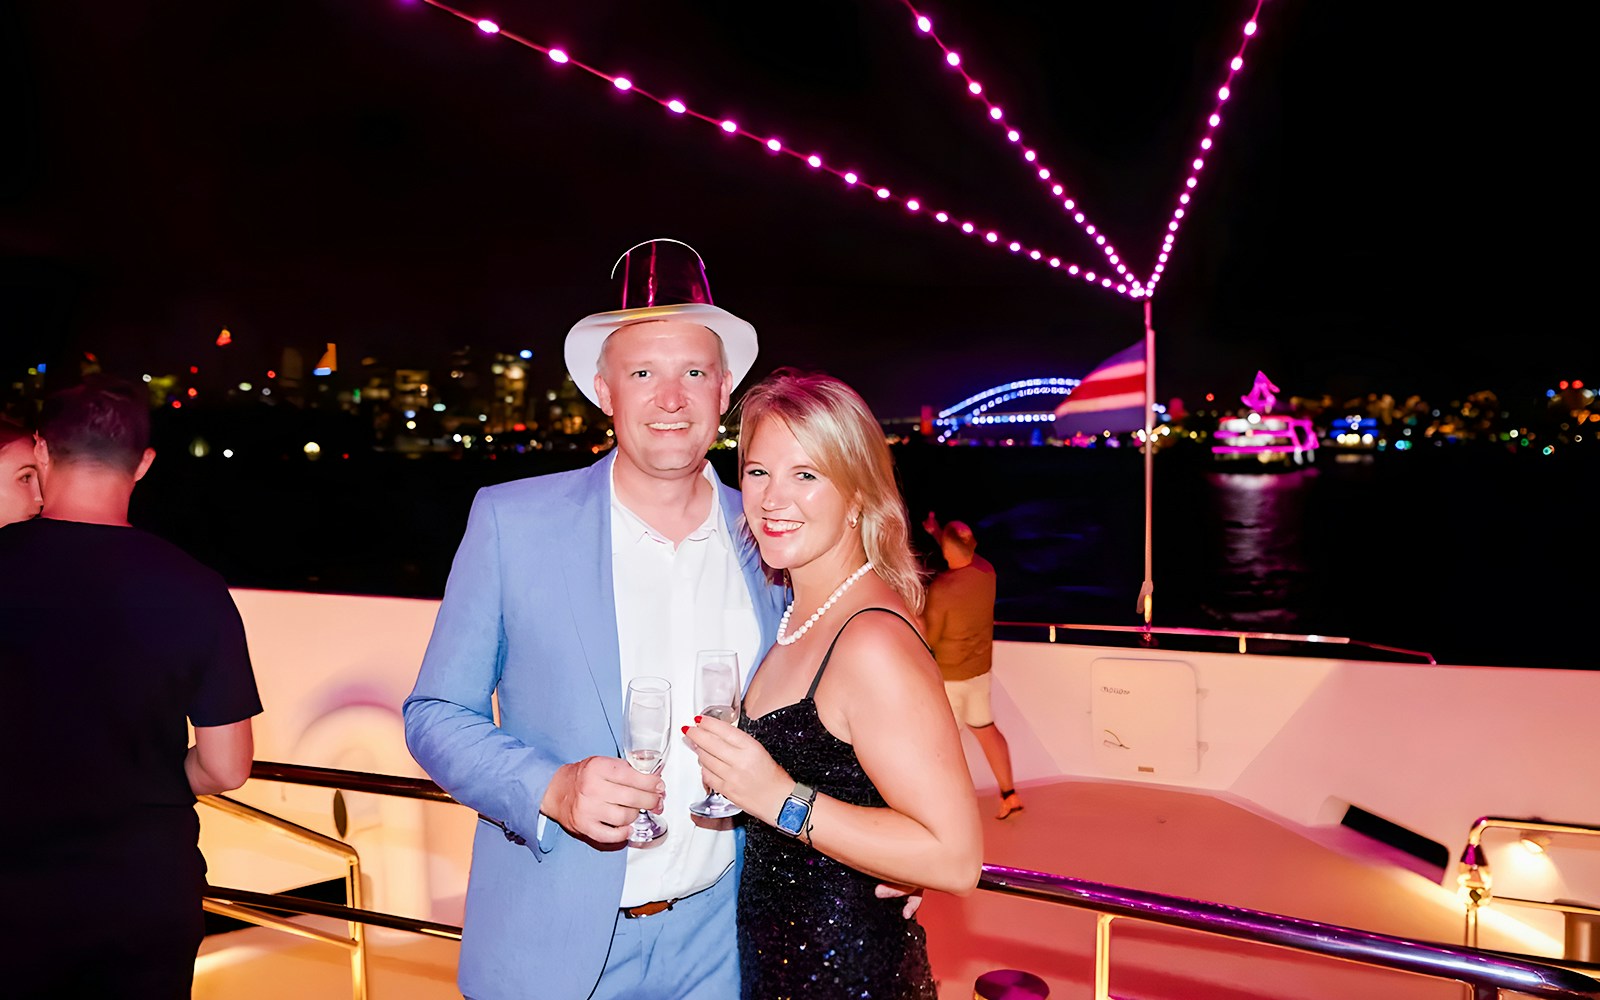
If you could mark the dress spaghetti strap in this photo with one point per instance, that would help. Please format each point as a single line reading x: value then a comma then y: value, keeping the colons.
x: 812, y: 691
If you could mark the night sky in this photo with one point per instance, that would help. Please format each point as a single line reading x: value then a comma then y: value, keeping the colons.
x: 1383, y: 211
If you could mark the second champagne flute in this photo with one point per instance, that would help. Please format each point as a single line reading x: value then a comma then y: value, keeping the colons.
x: 646, y: 727
x: 716, y: 692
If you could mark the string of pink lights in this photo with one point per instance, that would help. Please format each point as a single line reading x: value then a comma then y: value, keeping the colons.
x: 996, y: 114
x: 1207, y: 143
x: 1058, y: 188
x: 813, y: 160
x: 1125, y: 283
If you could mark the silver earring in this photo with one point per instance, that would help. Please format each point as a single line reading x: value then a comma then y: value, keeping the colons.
x: 854, y: 520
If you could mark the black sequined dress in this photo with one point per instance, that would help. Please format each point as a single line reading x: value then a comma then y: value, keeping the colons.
x: 810, y: 926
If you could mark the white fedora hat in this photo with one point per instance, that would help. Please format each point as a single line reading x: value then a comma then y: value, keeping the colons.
x: 660, y: 279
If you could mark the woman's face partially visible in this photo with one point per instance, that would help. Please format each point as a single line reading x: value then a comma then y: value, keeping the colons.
x: 19, y: 483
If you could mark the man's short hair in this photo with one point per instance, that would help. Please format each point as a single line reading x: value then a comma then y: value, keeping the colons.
x: 105, y: 420
x: 957, y: 534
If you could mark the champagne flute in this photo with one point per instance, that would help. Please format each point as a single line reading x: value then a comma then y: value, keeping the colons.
x: 646, y: 727
x: 716, y: 691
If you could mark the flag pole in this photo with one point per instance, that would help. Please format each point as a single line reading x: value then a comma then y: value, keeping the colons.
x: 1147, y: 589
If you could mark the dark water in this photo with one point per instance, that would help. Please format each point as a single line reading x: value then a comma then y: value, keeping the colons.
x: 1476, y: 557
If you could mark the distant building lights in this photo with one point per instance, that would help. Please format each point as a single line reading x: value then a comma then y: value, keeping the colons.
x: 312, y: 449
x: 438, y: 407
x: 227, y: 453
x: 147, y: 379
x: 525, y: 354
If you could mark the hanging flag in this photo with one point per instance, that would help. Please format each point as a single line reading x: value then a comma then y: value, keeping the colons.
x: 1111, y: 398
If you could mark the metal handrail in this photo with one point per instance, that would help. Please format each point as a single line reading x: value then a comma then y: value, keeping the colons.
x: 1486, y: 973
x: 350, y: 781
x: 1241, y: 637
x: 1474, y: 877
x: 357, y: 940
x: 316, y: 907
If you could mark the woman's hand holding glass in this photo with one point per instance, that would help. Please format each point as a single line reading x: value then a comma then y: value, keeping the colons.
x: 737, y: 765
x: 716, y: 696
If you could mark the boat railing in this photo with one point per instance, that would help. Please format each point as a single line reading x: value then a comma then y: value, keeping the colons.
x: 1475, y: 879
x: 1487, y: 974
x: 231, y: 903
x: 1147, y: 636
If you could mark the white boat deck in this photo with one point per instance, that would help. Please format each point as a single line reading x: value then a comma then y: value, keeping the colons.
x: 1163, y: 840
x: 1226, y: 783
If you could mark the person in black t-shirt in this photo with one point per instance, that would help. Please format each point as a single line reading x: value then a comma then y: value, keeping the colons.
x: 110, y: 640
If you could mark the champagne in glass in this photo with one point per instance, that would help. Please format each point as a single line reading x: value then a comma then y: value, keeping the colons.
x: 646, y: 726
x: 716, y: 691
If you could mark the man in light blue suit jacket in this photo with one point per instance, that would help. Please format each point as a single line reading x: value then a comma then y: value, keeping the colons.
x: 530, y: 618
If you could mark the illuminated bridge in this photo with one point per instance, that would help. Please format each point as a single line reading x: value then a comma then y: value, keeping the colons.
x: 984, y: 408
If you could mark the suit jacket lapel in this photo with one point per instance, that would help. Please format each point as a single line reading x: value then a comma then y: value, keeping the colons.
x: 590, y: 593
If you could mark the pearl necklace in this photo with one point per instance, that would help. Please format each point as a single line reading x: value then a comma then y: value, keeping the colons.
x: 783, y: 623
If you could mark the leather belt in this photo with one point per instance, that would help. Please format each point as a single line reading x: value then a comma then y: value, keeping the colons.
x: 647, y: 909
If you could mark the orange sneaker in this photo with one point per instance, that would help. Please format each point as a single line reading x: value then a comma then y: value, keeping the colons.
x: 1010, y: 802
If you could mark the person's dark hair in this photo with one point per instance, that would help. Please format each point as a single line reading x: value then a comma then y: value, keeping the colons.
x: 105, y: 420
x: 12, y: 432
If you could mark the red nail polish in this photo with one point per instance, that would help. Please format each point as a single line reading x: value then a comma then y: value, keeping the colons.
x: 697, y: 720
x: 686, y: 729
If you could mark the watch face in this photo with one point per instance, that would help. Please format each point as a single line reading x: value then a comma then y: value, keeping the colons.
x: 792, y: 817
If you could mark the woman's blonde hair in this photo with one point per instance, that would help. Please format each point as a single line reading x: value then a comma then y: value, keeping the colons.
x: 839, y: 433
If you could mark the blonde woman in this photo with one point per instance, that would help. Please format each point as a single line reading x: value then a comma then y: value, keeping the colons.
x: 846, y: 760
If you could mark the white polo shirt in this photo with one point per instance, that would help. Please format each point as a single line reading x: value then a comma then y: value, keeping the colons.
x: 673, y: 601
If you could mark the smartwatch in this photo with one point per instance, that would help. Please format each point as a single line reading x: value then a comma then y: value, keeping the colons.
x: 796, y: 810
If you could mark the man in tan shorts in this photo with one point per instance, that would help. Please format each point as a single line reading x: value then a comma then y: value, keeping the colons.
x: 960, y: 627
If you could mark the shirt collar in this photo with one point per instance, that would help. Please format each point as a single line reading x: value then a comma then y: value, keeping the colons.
x: 637, y: 530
